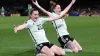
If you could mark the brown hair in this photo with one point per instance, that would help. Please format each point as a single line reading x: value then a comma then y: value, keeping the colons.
x: 31, y: 11
x: 53, y: 6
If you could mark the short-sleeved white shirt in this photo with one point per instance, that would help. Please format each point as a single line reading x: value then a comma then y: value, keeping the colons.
x: 36, y: 30
x: 59, y: 25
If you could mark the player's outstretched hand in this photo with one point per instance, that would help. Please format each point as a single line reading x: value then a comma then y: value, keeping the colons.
x: 35, y: 2
x: 15, y: 29
x: 73, y: 1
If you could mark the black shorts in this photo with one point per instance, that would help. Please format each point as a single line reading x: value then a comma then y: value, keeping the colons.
x: 40, y: 46
x: 64, y: 39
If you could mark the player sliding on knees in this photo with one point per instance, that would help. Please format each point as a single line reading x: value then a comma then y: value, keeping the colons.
x: 64, y: 38
x: 37, y: 33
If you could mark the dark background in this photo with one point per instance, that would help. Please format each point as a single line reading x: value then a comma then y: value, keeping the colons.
x: 25, y: 2
x: 21, y: 5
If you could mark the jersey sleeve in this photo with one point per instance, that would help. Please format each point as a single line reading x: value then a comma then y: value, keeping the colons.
x: 44, y: 19
x: 50, y: 14
x: 28, y: 24
x: 62, y: 12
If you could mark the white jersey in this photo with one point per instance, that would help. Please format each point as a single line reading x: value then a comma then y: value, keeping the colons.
x: 60, y: 25
x: 36, y: 30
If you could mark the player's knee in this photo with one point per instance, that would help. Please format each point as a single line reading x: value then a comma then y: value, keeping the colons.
x: 61, y: 53
x: 51, y: 54
x: 75, y: 50
x: 80, y: 50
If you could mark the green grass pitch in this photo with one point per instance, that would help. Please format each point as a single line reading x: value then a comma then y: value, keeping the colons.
x: 86, y: 30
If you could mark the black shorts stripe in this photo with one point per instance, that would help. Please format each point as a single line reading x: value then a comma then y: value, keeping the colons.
x: 32, y: 36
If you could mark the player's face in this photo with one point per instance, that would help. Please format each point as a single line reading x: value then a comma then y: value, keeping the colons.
x: 35, y: 15
x: 57, y: 8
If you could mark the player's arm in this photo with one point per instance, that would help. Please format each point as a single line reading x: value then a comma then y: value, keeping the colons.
x: 56, y: 17
x: 63, y: 12
x: 42, y: 9
x: 69, y: 6
x: 20, y: 27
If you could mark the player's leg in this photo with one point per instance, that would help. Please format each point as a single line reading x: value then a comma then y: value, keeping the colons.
x: 57, y: 50
x: 37, y: 53
x: 66, y: 42
x: 62, y: 43
x: 71, y: 46
x: 47, y: 51
x: 43, y: 48
x: 67, y: 50
x: 77, y: 45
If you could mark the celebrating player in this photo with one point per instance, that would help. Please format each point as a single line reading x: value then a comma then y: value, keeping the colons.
x: 36, y: 31
x: 64, y: 38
